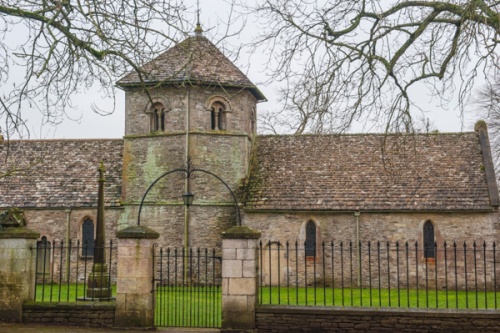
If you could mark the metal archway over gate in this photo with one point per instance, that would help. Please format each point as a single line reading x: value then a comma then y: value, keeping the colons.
x: 188, y: 171
x: 187, y: 282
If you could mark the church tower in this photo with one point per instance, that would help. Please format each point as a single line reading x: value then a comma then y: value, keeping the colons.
x: 191, y: 101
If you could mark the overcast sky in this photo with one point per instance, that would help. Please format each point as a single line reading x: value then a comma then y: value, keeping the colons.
x: 82, y: 122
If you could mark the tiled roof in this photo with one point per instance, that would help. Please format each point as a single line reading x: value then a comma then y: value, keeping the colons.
x: 59, y: 173
x: 435, y: 172
x: 196, y: 61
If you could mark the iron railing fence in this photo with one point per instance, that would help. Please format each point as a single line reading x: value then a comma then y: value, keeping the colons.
x: 379, y: 274
x: 63, y: 271
x: 187, y: 287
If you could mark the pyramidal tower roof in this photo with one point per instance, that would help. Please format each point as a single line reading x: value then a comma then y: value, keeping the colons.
x: 195, y: 61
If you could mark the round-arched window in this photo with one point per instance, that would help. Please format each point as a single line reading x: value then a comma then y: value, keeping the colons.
x: 310, y: 245
x: 429, y: 240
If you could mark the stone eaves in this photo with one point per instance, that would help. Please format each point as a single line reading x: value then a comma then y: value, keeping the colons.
x: 371, y: 172
x: 59, y: 173
x: 193, y: 61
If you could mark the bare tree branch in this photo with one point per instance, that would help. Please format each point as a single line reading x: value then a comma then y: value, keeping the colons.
x: 347, y: 61
x: 65, y: 47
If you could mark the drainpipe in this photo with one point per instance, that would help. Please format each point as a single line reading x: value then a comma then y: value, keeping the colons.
x: 358, y: 248
x: 68, y: 225
x: 186, y: 185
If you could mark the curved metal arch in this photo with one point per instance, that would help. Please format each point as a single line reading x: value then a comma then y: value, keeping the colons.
x: 188, y: 172
x: 230, y: 191
x: 151, y: 186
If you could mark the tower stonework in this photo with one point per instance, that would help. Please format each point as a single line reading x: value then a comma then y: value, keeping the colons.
x: 197, y: 104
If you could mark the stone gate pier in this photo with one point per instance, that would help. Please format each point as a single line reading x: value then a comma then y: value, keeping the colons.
x: 239, y: 279
x: 17, y: 264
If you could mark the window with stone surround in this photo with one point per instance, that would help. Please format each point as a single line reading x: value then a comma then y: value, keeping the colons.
x: 157, y: 112
x: 310, y: 244
x: 429, y: 252
x: 88, y: 234
x: 218, y: 116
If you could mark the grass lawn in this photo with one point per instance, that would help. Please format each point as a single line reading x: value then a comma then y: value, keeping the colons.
x: 384, y: 298
x: 201, y: 306
x: 63, y: 293
x: 188, y: 306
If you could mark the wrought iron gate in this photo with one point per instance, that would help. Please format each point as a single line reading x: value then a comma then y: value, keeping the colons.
x: 187, y: 286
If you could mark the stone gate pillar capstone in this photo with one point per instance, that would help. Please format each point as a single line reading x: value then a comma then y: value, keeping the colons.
x: 239, y: 279
x: 17, y: 265
x: 134, y: 296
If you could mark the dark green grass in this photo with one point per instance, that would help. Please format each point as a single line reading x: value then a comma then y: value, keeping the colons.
x: 53, y: 292
x: 380, y: 298
x: 198, y: 306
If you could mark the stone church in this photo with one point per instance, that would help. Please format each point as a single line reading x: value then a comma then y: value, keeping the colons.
x: 199, y: 105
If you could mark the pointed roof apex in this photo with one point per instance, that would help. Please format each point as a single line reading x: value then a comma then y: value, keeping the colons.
x: 198, y: 31
x: 194, y: 61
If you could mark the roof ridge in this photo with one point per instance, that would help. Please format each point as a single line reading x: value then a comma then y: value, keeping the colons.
x: 365, y: 134
x: 62, y: 139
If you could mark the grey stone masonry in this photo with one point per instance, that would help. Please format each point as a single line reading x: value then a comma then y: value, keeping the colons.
x: 89, y: 314
x: 287, y: 319
x: 17, y: 268
x: 134, y: 299
x: 239, y: 279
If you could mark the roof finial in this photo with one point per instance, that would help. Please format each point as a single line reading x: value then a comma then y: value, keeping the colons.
x: 198, y: 30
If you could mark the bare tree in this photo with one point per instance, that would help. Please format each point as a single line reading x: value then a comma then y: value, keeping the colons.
x: 365, y: 60
x: 64, y: 47
x: 17, y: 160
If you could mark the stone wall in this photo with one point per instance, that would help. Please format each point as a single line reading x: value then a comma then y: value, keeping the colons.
x: 224, y: 153
x: 147, y: 158
x: 177, y: 99
x: 205, y: 224
x: 320, y: 319
x: 52, y: 222
x: 74, y: 314
x: 374, y: 227
x: 404, y: 227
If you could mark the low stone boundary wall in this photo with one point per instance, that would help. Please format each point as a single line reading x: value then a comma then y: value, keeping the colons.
x: 76, y: 314
x: 288, y: 319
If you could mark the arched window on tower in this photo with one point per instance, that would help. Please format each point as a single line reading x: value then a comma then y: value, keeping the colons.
x: 429, y: 240
x: 218, y: 116
x: 310, y: 245
x: 157, y: 117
